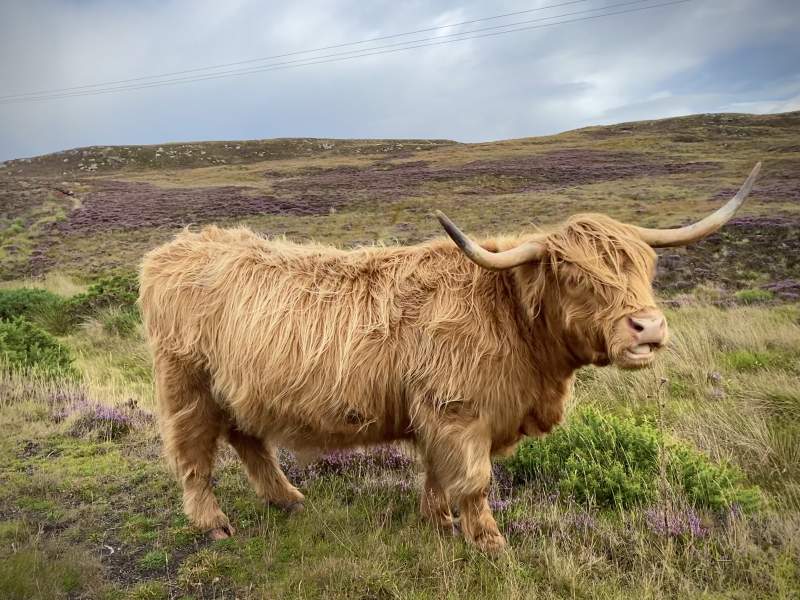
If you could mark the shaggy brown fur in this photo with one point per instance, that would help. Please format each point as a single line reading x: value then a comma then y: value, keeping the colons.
x: 272, y: 344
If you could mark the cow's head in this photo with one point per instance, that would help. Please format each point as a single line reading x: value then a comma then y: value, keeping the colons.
x: 594, y: 275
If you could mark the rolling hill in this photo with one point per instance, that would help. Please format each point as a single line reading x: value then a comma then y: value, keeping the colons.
x: 96, y: 210
x: 681, y: 480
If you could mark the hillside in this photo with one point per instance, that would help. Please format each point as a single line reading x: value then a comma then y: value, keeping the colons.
x: 91, y: 211
x: 681, y: 480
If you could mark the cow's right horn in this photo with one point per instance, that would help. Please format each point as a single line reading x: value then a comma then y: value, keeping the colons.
x: 496, y: 261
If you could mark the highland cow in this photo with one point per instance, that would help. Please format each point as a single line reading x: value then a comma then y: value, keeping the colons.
x: 461, y: 349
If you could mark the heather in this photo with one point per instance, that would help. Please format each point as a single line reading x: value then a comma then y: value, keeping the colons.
x: 654, y: 479
x: 94, y: 211
x: 678, y: 481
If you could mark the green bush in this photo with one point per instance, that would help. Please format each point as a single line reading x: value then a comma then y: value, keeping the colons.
x: 707, y: 484
x: 27, y: 346
x: 753, y: 296
x: 596, y: 459
x: 118, y: 291
x: 613, y: 462
x: 30, y: 303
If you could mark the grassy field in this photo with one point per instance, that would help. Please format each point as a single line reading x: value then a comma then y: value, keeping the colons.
x: 91, y: 211
x: 88, y: 509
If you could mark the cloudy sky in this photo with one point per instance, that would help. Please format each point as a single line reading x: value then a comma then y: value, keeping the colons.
x: 695, y: 56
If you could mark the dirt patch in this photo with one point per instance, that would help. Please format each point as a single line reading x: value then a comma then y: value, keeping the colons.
x: 30, y: 449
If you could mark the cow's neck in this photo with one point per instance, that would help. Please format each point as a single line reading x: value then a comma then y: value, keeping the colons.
x: 541, y: 324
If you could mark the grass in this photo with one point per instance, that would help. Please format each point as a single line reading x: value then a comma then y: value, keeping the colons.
x: 90, y: 490
x: 88, y: 509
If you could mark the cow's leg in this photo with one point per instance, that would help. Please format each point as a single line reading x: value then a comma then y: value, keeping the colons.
x: 459, y: 456
x: 264, y: 472
x: 191, y: 422
x: 435, y: 504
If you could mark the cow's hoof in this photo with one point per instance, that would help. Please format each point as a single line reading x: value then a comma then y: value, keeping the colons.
x: 490, y: 542
x: 294, y: 508
x: 221, y: 533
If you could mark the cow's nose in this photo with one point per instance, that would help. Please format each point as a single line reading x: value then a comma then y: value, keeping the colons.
x: 648, y: 328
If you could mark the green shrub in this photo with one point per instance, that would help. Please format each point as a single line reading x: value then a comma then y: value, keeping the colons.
x: 707, y: 484
x: 27, y: 346
x: 30, y: 303
x: 613, y: 462
x: 118, y: 291
x: 596, y: 459
x: 153, y: 560
x: 753, y: 296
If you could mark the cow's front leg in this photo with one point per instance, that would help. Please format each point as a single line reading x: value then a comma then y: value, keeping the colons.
x: 478, y: 524
x: 458, y: 455
x: 434, y: 504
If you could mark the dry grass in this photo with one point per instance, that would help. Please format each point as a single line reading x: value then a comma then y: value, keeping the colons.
x: 54, y: 281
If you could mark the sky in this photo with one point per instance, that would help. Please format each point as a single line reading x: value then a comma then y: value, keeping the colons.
x: 693, y: 57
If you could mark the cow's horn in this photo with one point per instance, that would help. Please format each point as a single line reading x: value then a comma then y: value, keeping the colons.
x: 496, y: 261
x: 662, y: 238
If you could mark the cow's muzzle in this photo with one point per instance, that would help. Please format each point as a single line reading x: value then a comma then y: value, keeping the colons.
x: 643, y: 333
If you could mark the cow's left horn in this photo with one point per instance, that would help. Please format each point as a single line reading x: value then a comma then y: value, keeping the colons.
x: 662, y: 238
x: 496, y: 261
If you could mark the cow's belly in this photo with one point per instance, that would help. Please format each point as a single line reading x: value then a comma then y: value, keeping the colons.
x: 334, y: 422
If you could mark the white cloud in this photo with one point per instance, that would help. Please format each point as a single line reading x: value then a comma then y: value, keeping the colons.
x: 649, y: 64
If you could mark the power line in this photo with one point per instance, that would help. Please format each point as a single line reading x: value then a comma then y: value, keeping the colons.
x: 315, y: 60
x: 354, y: 54
x: 287, y: 54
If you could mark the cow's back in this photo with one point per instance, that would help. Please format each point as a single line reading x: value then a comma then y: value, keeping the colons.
x: 311, y: 340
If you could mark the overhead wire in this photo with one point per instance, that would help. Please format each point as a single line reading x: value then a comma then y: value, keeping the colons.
x: 378, y: 50
x: 294, y: 53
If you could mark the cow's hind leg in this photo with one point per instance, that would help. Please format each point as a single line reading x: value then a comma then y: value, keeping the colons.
x: 459, y: 457
x: 264, y: 472
x: 191, y: 422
